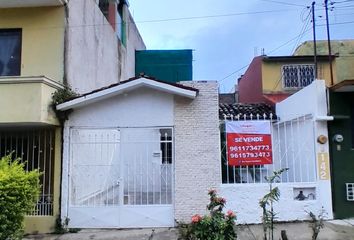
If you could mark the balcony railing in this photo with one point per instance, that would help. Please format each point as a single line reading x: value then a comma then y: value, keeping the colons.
x: 31, y: 3
x: 297, y: 76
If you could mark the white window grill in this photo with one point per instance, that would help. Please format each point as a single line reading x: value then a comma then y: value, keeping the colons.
x: 350, y: 191
x: 148, y: 175
x: 292, y: 147
x: 297, y: 76
x: 35, y: 148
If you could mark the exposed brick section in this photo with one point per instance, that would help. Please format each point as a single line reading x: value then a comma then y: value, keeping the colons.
x: 197, y: 150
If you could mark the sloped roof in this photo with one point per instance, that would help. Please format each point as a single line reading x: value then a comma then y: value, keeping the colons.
x: 128, y: 85
x: 245, y: 111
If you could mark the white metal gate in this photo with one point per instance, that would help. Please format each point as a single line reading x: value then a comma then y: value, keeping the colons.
x: 121, y: 178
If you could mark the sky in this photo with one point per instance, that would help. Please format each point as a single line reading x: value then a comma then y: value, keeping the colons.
x: 226, y: 34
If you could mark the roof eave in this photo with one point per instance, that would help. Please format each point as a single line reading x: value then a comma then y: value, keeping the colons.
x: 119, y: 89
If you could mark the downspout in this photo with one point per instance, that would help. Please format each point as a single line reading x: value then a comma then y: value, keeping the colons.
x: 62, y: 121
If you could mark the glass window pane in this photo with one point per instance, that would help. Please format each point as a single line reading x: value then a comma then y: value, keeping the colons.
x: 10, y: 52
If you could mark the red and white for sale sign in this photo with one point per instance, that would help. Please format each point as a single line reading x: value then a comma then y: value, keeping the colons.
x: 248, y: 143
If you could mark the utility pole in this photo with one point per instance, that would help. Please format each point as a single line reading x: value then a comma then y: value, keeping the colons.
x: 314, y: 37
x: 329, y: 43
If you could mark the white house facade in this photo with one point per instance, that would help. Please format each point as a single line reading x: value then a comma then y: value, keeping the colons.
x: 140, y: 153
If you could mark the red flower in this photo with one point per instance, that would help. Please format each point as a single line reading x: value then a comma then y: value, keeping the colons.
x: 196, y: 218
x: 212, y: 191
x: 230, y: 214
x: 221, y: 200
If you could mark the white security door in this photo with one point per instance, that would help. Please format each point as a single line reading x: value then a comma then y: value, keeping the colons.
x: 147, y: 155
x: 95, y: 180
x: 121, y: 178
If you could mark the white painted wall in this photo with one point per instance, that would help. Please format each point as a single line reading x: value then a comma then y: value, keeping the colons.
x: 139, y: 108
x: 309, y: 100
x: 244, y: 198
x: 94, y: 55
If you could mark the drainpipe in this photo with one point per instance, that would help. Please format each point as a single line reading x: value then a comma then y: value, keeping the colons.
x: 65, y: 83
x: 66, y: 40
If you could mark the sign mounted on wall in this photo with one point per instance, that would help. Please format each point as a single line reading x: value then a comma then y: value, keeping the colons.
x: 248, y: 143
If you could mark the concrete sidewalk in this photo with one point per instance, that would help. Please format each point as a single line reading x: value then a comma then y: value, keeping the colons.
x: 333, y: 230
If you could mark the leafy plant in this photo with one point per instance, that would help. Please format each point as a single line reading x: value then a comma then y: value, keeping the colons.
x: 215, y: 226
x: 18, y: 194
x: 63, y: 95
x: 61, y: 227
x: 316, y: 223
x: 266, y: 203
x: 60, y: 96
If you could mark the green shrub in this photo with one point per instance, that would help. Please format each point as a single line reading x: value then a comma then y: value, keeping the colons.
x: 18, y: 193
x: 62, y: 95
x: 215, y: 226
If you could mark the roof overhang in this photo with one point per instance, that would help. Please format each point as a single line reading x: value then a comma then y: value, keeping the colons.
x: 344, y: 86
x: 126, y: 86
x: 298, y: 58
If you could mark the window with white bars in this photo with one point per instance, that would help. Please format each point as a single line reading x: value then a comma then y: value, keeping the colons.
x: 35, y: 148
x: 297, y: 76
x: 292, y: 147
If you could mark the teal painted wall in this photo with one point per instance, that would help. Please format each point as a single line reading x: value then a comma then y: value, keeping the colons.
x: 165, y: 65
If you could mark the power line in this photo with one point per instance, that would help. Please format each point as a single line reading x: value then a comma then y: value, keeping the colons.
x: 275, y: 49
x: 284, y: 3
x: 214, y: 16
x: 221, y: 80
x: 167, y: 19
x: 302, y: 31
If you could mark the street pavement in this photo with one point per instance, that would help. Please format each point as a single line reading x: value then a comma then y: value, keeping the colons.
x: 333, y: 230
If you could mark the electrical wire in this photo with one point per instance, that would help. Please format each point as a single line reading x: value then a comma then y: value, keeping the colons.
x: 284, y: 3
x: 302, y: 31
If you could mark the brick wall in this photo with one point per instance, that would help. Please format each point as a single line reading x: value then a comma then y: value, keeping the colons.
x: 197, y: 150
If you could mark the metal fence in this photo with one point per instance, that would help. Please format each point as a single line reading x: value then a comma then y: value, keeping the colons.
x: 35, y: 148
x: 126, y: 166
x: 293, y: 147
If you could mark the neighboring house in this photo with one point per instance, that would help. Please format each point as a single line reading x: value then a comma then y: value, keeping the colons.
x: 140, y: 153
x: 342, y: 49
x: 271, y: 79
x: 45, y: 45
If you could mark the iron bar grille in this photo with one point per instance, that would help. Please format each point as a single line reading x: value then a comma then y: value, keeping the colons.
x: 297, y: 76
x: 292, y: 147
x: 350, y: 191
x: 127, y: 166
x: 35, y: 148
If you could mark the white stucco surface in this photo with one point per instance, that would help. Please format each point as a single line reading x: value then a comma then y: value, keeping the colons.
x: 244, y: 200
x: 95, y: 56
x: 139, y: 108
x: 309, y: 100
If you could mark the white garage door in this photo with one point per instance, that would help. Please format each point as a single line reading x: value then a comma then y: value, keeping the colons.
x: 121, y: 178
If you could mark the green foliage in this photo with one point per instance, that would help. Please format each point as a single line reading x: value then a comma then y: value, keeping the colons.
x: 316, y: 223
x: 18, y: 194
x: 61, y: 227
x: 62, y: 95
x: 266, y: 203
x: 215, y: 226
